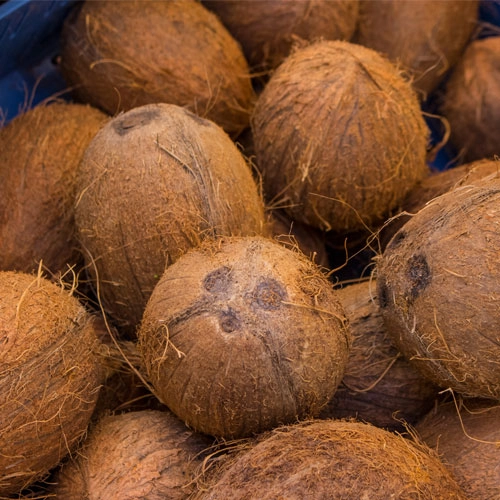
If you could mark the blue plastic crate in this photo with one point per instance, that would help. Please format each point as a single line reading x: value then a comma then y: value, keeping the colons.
x: 29, y: 40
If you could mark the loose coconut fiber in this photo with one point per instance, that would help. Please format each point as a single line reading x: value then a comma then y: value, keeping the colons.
x: 437, y: 284
x: 467, y: 437
x: 379, y: 385
x: 241, y: 335
x: 268, y: 29
x: 49, y: 377
x: 133, y: 456
x: 120, y: 55
x: 339, y: 136
x: 471, y: 101
x: 425, y: 38
x: 334, y: 460
x: 154, y: 182
x: 40, y: 151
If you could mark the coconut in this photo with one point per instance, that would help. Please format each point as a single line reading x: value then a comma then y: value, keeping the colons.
x: 333, y: 459
x: 41, y: 149
x: 120, y: 55
x: 241, y: 335
x: 471, y: 101
x: 319, y: 144
x: 379, y: 385
x: 267, y: 30
x: 425, y: 38
x: 437, y: 284
x: 136, y: 455
x: 49, y: 377
x: 467, y: 437
x: 436, y: 184
x: 154, y: 182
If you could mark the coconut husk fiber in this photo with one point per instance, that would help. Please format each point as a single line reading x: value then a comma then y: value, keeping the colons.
x: 425, y: 38
x: 324, y: 156
x: 437, y: 283
x: 379, y: 385
x: 50, y: 376
x: 135, y: 455
x: 333, y: 459
x: 120, y: 55
x: 241, y: 335
x: 471, y: 101
x: 466, y: 434
x: 155, y: 182
x: 41, y: 149
x: 268, y: 29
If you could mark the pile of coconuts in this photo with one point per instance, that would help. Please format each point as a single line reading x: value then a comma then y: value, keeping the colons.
x: 230, y: 269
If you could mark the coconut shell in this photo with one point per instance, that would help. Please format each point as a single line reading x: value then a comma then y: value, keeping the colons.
x: 242, y: 335
x: 268, y: 29
x: 120, y: 55
x: 133, y: 456
x: 318, y: 141
x: 467, y: 437
x: 333, y: 459
x: 425, y: 38
x: 41, y: 149
x: 379, y: 385
x: 49, y: 377
x: 471, y: 101
x: 154, y: 182
x: 437, y: 283
x: 436, y: 184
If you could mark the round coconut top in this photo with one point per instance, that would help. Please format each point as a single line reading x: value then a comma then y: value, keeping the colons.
x: 49, y: 377
x: 333, y: 459
x: 41, y: 149
x: 467, y: 437
x: 241, y: 335
x: 154, y: 182
x: 120, y: 55
x: 379, y: 386
x: 139, y: 454
x: 436, y: 184
x: 471, y: 101
x: 268, y: 29
x: 425, y: 38
x: 438, y: 289
x: 319, y: 142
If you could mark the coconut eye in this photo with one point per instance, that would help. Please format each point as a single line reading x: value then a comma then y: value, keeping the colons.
x: 268, y: 294
x: 218, y: 280
x: 229, y: 321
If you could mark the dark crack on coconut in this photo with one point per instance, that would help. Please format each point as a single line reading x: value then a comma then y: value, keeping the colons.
x: 133, y: 120
x: 419, y: 274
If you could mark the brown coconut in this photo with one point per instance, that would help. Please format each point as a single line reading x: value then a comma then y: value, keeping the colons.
x: 437, y: 284
x: 133, y: 456
x: 333, y: 459
x: 467, y: 437
x: 268, y: 29
x: 471, y: 101
x: 379, y: 386
x: 436, y: 184
x: 154, y: 182
x: 241, y: 335
x: 120, y: 55
x: 319, y: 142
x: 49, y: 377
x: 41, y: 149
x: 425, y: 38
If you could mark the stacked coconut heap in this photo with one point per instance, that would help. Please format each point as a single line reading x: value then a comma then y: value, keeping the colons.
x: 174, y: 322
